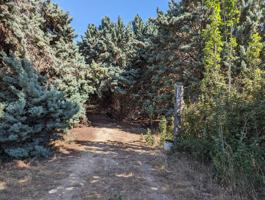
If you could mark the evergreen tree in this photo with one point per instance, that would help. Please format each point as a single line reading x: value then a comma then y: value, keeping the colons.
x: 43, y: 35
x: 40, y: 32
x: 173, y: 55
x: 69, y: 74
x: 112, y: 52
x: 31, y: 114
x: 139, y: 27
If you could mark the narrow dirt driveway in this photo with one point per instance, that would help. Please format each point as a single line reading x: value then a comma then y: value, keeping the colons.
x: 108, y: 161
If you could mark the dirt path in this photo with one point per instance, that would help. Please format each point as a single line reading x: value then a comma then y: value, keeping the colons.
x: 109, y: 161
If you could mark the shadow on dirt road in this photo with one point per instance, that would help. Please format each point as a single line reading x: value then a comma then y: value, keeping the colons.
x: 108, y: 160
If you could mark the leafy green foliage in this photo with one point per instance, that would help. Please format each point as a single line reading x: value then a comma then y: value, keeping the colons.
x: 163, y: 129
x: 166, y: 128
x: 224, y: 125
x: 170, y: 129
x: 232, y: 13
x: 212, y: 82
x: 253, y: 53
x: 149, y: 138
x: 230, y: 134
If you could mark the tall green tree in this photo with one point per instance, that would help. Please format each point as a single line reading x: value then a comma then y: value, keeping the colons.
x: 113, y: 52
x: 41, y: 32
x: 251, y: 22
x: 173, y: 55
x: 213, y: 80
x: 231, y: 15
x: 69, y: 73
x: 253, y: 74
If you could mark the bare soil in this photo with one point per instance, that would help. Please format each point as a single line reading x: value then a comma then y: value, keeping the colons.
x: 109, y: 161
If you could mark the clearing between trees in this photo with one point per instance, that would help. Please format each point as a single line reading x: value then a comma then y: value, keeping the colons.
x: 108, y: 160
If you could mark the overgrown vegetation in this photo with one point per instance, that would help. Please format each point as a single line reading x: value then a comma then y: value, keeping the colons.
x: 226, y: 123
x: 214, y: 47
x: 149, y: 138
x: 166, y: 129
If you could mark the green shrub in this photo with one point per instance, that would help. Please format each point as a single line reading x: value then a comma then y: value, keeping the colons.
x: 166, y: 129
x: 199, y: 148
x: 240, y: 163
x: 170, y: 129
x: 33, y: 114
x: 163, y: 129
x: 229, y: 130
x: 149, y: 138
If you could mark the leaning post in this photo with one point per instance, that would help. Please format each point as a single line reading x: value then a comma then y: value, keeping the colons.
x: 179, y: 91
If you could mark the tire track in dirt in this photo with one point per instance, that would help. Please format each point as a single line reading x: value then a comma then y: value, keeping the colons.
x: 111, y: 162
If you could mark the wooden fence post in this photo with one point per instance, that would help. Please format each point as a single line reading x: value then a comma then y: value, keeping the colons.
x: 178, y: 108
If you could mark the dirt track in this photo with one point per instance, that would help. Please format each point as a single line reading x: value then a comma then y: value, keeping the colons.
x: 109, y: 161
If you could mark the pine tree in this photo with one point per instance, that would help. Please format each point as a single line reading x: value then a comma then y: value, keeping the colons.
x: 43, y: 35
x: 70, y: 74
x: 31, y: 114
x: 140, y: 29
x: 172, y: 55
x: 111, y: 50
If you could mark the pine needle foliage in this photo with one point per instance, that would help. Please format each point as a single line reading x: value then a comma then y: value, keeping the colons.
x: 41, y: 32
x: 31, y: 114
